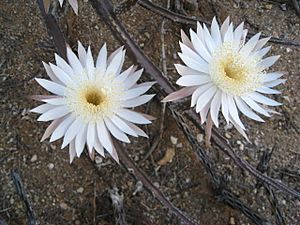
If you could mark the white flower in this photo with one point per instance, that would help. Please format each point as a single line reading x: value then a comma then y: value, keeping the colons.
x: 225, y: 73
x: 91, y: 102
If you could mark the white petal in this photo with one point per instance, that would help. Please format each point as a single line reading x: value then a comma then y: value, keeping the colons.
x: 224, y: 27
x: 274, y: 83
x: 123, y: 126
x: 54, y: 113
x: 200, y: 32
x: 190, y: 53
x: 215, y: 107
x: 72, y: 131
x: 90, y: 136
x: 198, y: 92
x: 101, y: 60
x: 61, y: 63
x: 267, y: 62
x: 204, y: 112
x: 137, y: 101
x: 61, y: 2
x: 51, y: 86
x: 132, y: 116
x: 263, y: 99
x: 185, y: 39
x: 74, y: 61
x: 273, y: 76
x: 80, y: 140
x: 51, y: 74
x: 238, y: 32
x: 124, y: 75
x: 60, y: 74
x: 113, y: 67
x: 184, y: 70
x: 54, y: 124
x: 261, y: 53
x: 228, y: 37
x: 62, y: 128
x: 194, y: 64
x: 215, y: 31
x: 104, y: 136
x: 266, y: 90
x: 249, y: 46
x: 261, y: 43
x: 90, y: 64
x: 136, y: 129
x: 193, y: 80
x: 135, y: 92
x: 182, y: 93
x: 211, y: 45
x: 74, y: 5
x: 133, y: 78
x: 224, y: 104
x: 242, y: 106
x: 42, y: 108
x: 56, y: 101
x: 200, y: 47
x: 256, y: 107
x: 115, y: 131
x: 205, y: 97
x: 81, y: 54
x: 233, y: 112
x: 240, y: 130
x: 72, y: 151
x: 98, y: 146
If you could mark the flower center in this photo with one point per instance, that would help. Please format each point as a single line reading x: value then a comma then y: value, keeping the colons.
x: 232, y: 72
x: 93, y: 100
x: 94, y: 97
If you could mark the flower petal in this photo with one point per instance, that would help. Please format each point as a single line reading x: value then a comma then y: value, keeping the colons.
x: 137, y: 101
x: 242, y: 106
x: 62, y: 128
x: 215, y: 107
x: 54, y: 113
x: 115, y: 131
x: 182, y: 93
x: 51, y: 86
x: 193, y: 80
x: 132, y: 116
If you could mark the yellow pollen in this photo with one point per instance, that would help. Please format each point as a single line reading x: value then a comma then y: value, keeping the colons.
x: 94, y: 100
x: 232, y: 72
x: 94, y: 97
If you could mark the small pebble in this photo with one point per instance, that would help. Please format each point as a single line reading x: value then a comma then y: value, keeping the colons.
x: 33, y: 158
x: 63, y: 205
x: 241, y: 147
x: 50, y: 166
x: 98, y: 159
x: 179, y: 145
x: 174, y: 140
x: 268, y: 6
x: 227, y: 135
x: 200, y: 137
x: 283, y: 7
x: 232, y: 221
x: 283, y: 202
x: 288, y: 50
x: 80, y: 190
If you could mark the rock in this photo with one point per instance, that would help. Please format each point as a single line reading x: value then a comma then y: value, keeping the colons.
x: 268, y: 6
x: 232, y: 221
x: 227, y: 135
x: 98, y: 159
x: 174, y: 140
x: 80, y: 190
x: 63, y: 205
x: 288, y: 50
x: 50, y: 166
x: 200, y: 137
x: 283, y: 7
x: 33, y: 158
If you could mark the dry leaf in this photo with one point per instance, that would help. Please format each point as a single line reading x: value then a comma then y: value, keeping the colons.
x: 168, y: 157
x: 47, y: 5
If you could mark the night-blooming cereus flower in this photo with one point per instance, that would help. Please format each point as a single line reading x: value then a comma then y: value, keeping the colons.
x: 90, y: 101
x: 73, y: 3
x: 225, y: 73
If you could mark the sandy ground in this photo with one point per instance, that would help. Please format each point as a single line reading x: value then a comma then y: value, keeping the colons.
x: 61, y: 193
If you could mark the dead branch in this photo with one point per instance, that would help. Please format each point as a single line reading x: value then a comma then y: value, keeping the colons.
x: 189, y: 20
x: 118, y: 205
x: 296, y: 6
x: 125, y: 6
x: 22, y: 194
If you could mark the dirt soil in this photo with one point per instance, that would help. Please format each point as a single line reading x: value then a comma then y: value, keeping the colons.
x: 61, y: 193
